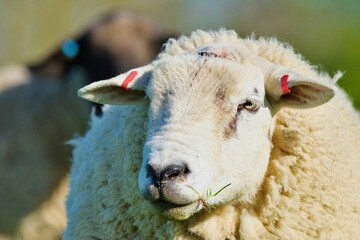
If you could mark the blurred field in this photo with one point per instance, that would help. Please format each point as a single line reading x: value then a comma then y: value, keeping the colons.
x: 327, y: 32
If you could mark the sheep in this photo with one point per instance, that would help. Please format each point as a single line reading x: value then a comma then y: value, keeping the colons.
x: 40, y: 111
x: 218, y: 138
x: 38, y: 117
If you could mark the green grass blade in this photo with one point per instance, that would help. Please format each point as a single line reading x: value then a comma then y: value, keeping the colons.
x: 222, y: 189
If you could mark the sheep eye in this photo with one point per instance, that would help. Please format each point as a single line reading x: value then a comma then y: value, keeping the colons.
x: 203, y: 54
x: 207, y: 54
x: 247, y: 105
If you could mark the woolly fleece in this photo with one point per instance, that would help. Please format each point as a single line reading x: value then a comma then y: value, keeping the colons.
x: 309, y: 191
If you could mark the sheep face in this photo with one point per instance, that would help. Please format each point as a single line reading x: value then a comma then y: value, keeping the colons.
x: 208, y: 127
x: 210, y: 114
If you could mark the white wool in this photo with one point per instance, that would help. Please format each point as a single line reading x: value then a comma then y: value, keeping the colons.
x: 308, y: 191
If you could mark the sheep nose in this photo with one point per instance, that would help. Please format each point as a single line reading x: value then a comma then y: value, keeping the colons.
x: 171, y: 172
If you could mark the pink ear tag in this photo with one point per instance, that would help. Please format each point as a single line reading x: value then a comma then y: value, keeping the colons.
x: 129, y: 79
x: 284, y: 84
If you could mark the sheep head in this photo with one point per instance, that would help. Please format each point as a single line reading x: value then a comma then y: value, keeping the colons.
x: 210, y: 114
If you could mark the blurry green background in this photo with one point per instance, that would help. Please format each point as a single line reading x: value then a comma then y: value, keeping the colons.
x: 326, y: 32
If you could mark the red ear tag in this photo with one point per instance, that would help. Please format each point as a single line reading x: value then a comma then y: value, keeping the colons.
x: 284, y: 84
x: 129, y: 79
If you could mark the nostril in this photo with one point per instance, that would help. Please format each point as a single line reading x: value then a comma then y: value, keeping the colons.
x: 171, y: 172
x: 151, y: 172
x: 174, y: 172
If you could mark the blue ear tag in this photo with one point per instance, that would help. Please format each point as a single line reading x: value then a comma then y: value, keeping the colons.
x: 70, y: 48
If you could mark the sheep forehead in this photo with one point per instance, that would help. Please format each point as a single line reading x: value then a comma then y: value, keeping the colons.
x: 190, y: 71
x: 206, y: 84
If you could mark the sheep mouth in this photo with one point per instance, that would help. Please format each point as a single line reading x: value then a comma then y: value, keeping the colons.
x: 176, y: 211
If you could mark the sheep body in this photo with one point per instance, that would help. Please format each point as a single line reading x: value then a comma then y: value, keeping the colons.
x: 33, y: 157
x: 307, y: 192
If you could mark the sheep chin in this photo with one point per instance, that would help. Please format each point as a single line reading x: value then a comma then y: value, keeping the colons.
x: 178, y: 212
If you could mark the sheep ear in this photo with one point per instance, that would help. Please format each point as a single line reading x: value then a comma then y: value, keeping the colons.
x: 127, y: 88
x: 286, y: 88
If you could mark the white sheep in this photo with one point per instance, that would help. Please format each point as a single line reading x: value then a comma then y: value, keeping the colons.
x: 231, y: 139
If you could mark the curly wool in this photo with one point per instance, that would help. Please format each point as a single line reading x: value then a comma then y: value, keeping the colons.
x: 308, y: 192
